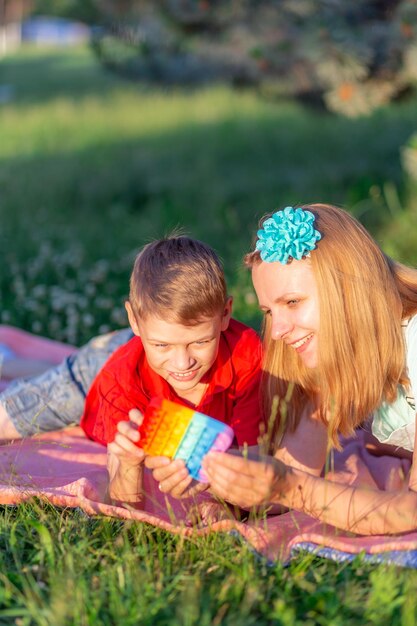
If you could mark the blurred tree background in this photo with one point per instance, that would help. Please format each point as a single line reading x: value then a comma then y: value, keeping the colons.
x: 84, y: 10
x: 350, y: 57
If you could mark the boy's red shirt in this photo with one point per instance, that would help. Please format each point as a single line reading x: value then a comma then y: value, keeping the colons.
x: 126, y: 382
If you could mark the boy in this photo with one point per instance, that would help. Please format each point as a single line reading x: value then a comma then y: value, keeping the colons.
x: 186, y: 349
x: 56, y: 399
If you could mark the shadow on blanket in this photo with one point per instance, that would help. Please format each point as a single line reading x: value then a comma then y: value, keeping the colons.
x: 68, y: 470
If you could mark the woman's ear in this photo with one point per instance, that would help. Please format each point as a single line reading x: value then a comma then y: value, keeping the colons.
x: 132, y: 319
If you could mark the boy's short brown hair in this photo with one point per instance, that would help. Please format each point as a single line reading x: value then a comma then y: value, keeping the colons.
x: 178, y: 279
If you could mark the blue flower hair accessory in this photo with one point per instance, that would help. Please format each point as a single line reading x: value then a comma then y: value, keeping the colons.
x: 289, y: 233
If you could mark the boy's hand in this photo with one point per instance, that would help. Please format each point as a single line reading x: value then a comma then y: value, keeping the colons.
x: 173, y: 477
x: 124, y: 446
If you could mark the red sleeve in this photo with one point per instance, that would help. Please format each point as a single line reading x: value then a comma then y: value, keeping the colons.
x: 247, y: 413
x: 113, y: 393
x: 106, y: 405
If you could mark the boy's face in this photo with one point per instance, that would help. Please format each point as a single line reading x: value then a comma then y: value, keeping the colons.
x: 181, y: 354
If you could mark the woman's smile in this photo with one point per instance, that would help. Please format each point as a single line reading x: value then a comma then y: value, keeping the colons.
x: 288, y: 294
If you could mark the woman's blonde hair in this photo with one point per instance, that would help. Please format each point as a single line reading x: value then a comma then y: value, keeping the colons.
x: 363, y: 297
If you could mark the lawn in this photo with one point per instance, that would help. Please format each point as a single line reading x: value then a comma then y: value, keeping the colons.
x: 91, y: 168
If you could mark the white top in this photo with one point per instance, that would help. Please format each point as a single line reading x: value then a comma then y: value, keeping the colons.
x: 395, y: 423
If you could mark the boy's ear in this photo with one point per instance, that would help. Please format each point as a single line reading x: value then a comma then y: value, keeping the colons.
x: 132, y: 319
x: 227, y: 313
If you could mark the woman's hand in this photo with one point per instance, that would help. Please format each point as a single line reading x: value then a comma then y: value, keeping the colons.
x: 245, y: 482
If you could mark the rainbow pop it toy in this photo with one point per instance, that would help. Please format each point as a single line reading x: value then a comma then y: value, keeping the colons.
x: 170, y: 429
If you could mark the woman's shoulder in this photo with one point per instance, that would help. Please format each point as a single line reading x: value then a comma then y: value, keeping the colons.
x: 394, y: 423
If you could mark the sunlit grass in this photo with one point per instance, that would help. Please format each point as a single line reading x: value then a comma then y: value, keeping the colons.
x: 60, y: 567
x: 132, y: 114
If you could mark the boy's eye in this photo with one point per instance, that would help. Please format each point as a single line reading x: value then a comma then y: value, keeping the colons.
x: 292, y: 302
x: 160, y: 345
x: 201, y: 343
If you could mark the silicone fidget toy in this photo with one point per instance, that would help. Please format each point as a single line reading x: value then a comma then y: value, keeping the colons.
x: 170, y: 429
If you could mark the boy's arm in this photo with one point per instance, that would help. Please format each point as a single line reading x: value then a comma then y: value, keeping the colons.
x: 125, y: 463
x: 125, y: 481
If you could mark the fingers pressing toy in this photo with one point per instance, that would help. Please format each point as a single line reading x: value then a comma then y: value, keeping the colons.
x: 178, y: 432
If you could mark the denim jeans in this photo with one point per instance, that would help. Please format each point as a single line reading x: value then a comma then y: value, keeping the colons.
x: 55, y: 399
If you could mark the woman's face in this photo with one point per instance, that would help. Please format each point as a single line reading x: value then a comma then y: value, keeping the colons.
x: 288, y: 293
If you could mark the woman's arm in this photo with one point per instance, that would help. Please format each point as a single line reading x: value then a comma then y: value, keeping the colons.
x: 357, y: 509
x: 306, y: 448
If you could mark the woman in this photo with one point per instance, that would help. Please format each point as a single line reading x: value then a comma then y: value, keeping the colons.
x: 340, y: 339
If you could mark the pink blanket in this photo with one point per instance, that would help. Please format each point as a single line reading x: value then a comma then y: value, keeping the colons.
x: 68, y: 470
x: 28, y: 346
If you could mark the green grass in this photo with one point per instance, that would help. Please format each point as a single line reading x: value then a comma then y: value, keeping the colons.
x: 60, y: 568
x: 91, y: 168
